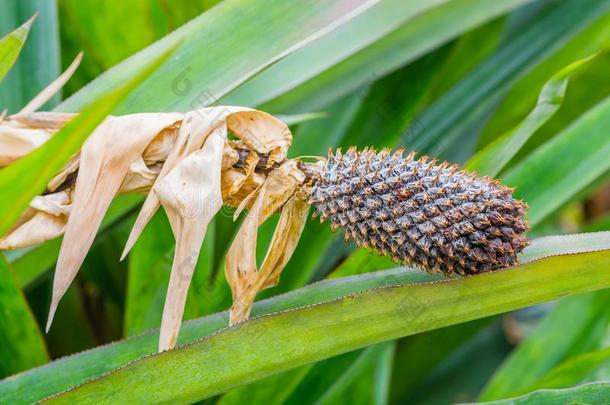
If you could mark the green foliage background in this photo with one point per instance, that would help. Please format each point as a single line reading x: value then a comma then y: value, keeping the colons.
x: 527, y: 80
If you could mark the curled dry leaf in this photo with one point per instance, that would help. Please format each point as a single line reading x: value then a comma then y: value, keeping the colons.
x: 240, y: 268
x: 16, y: 142
x: 45, y: 219
x: 191, y: 196
x: 104, y: 161
x: 188, y: 165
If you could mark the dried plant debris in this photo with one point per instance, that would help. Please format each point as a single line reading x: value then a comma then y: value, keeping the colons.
x: 420, y: 212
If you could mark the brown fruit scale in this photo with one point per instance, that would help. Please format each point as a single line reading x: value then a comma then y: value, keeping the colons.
x: 434, y: 216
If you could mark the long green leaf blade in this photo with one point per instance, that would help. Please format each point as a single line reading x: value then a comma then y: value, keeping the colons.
x: 21, y: 343
x: 492, y: 159
x: 77, y: 369
x: 419, y: 36
x: 455, y: 116
x: 215, y: 58
x: 365, y: 29
x: 565, y: 165
x: 592, y: 393
x: 10, y: 46
x: 573, y: 371
x: 335, y: 327
x: 39, y: 61
x: 550, y: 343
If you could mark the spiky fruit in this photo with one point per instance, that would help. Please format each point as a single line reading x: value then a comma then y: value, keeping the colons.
x: 435, y: 216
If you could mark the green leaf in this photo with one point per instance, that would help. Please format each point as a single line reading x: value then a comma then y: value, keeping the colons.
x: 379, y: 21
x: 390, y: 103
x: 135, y: 24
x: 562, y: 167
x: 461, y: 376
x: 362, y: 376
x: 21, y: 343
x: 10, y: 46
x: 419, y: 36
x: 321, y: 377
x: 356, y: 384
x: 215, y: 58
x: 417, y: 356
x: 28, y: 177
x: 39, y: 61
x: 586, y: 87
x: 327, y: 329
x: 458, y: 113
x: 491, y: 160
x: 600, y: 224
x: 149, y: 264
x: 271, y: 390
x: 572, y: 371
x: 551, y: 343
x: 383, y: 374
x: 338, y: 324
x: 592, y: 393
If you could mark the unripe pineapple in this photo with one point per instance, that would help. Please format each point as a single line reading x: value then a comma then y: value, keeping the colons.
x: 435, y: 216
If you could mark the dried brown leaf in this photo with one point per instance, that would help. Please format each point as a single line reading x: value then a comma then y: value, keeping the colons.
x: 285, y: 239
x: 51, y: 120
x: 104, y: 161
x: 139, y: 177
x: 16, y: 142
x: 196, y: 126
x: 45, y: 220
x: 191, y: 196
x: 261, y: 132
x: 40, y: 228
x: 240, y: 266
x: 70, y: 168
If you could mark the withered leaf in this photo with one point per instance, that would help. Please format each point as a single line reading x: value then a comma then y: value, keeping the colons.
x: 191, y: 196
x: 104, y: 160
x: 240, y: 265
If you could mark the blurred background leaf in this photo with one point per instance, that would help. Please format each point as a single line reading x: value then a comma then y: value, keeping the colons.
x: 11, y: 45
x: 21, y: 343
x: 39, y: 61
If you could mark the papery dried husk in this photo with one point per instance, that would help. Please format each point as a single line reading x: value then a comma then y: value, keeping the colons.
x: 39, y: 228
x: 192, y: 133
x: 104, y: 161
x: 240, y: 266
x: 262, y: 133
x: 49, y: 120
x: 195, y: 128
x: 285, y: 239
x: 16, y: 142
x: 139, y: 177
x: 185, y: 162
x: 46, y: 219
x: 184, y: 159
x: 191, y: 196
x: 70, y: 168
